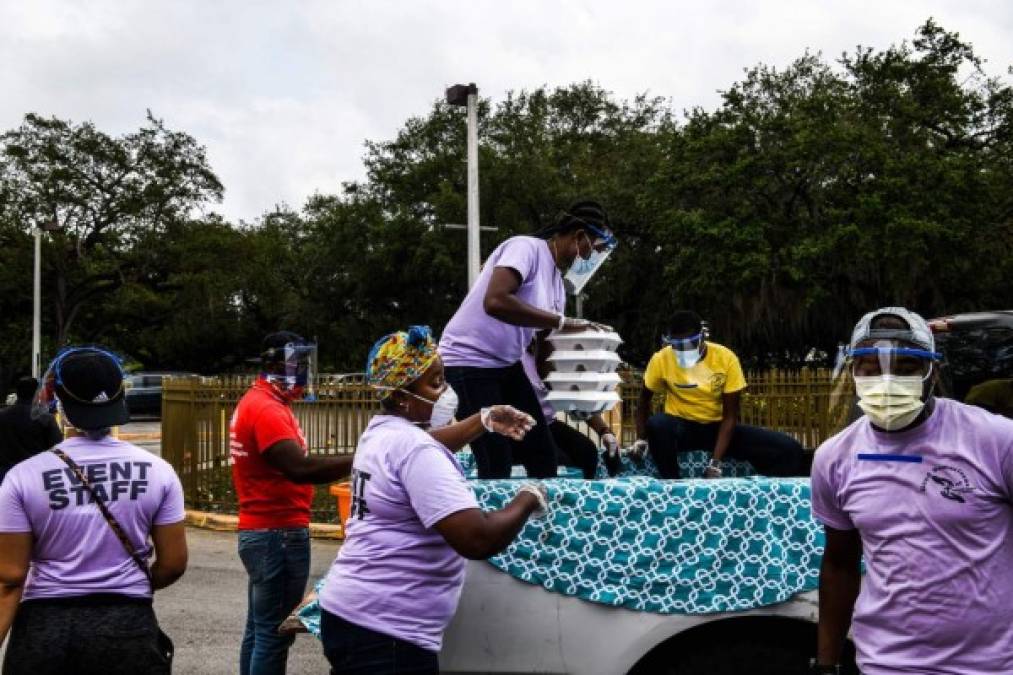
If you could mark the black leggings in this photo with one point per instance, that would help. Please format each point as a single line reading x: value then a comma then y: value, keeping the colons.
x: 85, y: 636
x: 494, y: 454
x: 575, y: 449
x: 770, y: 452
x: 354, y: 650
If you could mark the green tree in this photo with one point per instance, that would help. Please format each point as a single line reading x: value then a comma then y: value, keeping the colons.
x: 105, y: 193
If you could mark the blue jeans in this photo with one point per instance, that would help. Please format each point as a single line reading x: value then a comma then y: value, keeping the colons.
x: 354, y: 650
x: 278, y: 564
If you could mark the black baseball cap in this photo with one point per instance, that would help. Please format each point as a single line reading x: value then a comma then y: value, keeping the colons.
x: 90, y: 386
x: 274, y: 345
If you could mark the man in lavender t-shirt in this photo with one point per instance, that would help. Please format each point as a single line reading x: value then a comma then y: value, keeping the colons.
x: 519, y: 297
x: 928, y: 504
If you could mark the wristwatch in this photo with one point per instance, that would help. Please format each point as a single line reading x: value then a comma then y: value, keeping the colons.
x: 823, y: 669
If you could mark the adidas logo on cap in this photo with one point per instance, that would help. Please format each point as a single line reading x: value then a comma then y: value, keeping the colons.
x: 101, y: 398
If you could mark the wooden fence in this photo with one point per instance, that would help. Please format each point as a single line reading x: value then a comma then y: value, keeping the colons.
x: 196, y: 412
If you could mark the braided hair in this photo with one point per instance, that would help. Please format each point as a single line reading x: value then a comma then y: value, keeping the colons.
x: 580, y: 214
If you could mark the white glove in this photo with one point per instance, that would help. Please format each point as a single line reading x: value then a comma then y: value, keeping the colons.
x: 611, y: 443
x: 507, y: 420
x: 639, y: 448
x: 541, y: 494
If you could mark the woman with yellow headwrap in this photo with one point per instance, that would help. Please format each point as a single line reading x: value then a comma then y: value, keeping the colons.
x: 395, y: 584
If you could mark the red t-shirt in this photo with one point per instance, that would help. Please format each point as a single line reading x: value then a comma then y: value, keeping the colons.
x: 266, y: 498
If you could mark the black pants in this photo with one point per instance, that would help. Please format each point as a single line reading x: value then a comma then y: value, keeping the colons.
x: 575, y: 449
x: 770, y: 452
x: 354, y: 650
x: 494, y: 454
x: 86, y: 636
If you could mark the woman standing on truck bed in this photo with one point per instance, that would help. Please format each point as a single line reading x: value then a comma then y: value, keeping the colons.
x: 521, y: 293
x: 394, y: 587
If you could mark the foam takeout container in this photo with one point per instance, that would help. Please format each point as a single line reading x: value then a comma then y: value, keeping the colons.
x: 582, y: 381
x: 576, y: 361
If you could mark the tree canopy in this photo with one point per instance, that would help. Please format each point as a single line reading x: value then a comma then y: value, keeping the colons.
x: 812, y: 194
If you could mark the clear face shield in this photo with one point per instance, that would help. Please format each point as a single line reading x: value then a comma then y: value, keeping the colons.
x: 295, y: 369
x: 687, y: 349
x: 887, y: 380
x: 602, y: 243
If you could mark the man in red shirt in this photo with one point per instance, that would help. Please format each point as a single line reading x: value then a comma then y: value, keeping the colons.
x: 273, y: 475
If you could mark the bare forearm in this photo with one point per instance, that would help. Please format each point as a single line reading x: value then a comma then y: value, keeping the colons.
x: 456, y: 436
x: 599, y: 425
x: 512, y: 310
x: 162, y: 577
x: 10, y: 597
x: 501, y: 527
x: 725, y: 432
x: 838, y: 591
x: 317, y: 469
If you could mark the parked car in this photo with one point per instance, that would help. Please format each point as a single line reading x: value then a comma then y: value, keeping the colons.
x: 144, y: 391
x: 977, y: 353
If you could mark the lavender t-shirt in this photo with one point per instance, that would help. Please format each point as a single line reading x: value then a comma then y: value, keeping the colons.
x: 75, y: 551
x: 473, y: 338
x: 933, y: 508
x: 395, y: 574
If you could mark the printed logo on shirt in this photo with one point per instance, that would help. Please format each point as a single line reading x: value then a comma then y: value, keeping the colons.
x: 718, y: 384
x: 112, y: 482
x: 359, y: 507
x: 949, y: 481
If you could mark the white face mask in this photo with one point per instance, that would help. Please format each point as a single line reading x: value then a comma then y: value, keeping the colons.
x: 687, y: 358
x: 444, y: 407
x: 890, y: 401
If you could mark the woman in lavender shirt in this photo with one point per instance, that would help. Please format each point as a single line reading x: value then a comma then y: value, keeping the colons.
x: 78, y: 602
x: 520, y: 296
x: 395, y: 584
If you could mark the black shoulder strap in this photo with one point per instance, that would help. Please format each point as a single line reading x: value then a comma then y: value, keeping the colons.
x: 113, y: 523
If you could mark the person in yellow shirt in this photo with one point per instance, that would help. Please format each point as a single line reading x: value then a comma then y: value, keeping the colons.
x: 995, y: 396
x: 702, y: 382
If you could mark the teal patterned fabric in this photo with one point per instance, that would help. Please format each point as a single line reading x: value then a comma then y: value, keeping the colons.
x: 690, y: 546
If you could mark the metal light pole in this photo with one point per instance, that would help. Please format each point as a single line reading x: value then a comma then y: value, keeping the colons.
x: 50, y: 226
x: 467, y: 95
x: 37, y: 311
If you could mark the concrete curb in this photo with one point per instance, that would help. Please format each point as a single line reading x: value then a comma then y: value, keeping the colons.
x: 140, y: 437
x: 225, y: 522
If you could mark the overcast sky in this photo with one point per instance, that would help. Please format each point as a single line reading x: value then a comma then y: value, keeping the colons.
x: 284, y: 94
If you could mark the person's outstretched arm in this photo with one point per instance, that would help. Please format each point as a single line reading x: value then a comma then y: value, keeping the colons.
x: 287, y: 457
x: 501, y: 419
x: 478, y: 535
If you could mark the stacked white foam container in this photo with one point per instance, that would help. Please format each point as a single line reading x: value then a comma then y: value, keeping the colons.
x: 583, y: 380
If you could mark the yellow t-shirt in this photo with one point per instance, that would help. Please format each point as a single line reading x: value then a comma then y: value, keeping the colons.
x: 695, y: 393
x: 994, y: 395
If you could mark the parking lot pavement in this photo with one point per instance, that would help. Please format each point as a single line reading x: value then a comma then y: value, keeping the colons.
x: 144, y: 432
x: 205, y: 611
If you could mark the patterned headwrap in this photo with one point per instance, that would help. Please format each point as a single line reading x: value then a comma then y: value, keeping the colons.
x: 398, y: 359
